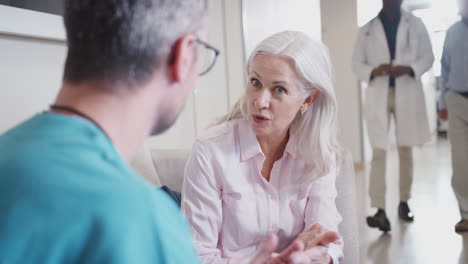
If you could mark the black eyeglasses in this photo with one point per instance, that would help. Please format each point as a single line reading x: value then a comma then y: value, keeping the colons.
x: 207, y: 57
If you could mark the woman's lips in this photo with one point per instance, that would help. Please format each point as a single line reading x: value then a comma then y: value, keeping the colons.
x: 260, y: 119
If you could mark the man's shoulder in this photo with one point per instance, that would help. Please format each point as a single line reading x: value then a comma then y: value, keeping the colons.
x: 365, y: 29
x: 48, y: 137
x: 136, y: 202
x: 412, y: 19
x: 367, y: 25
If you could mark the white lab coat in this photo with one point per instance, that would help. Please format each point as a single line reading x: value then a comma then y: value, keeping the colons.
x: 413, y: 48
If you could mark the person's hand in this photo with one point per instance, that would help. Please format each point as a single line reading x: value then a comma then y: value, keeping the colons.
x: 316, y: 241
x: 294, y: 254
x: 398, y: 71
x: 314, y: 255
x: 309, y: 247
x: 382, y: 70
x: 443, y: 114
x: 318, y: 236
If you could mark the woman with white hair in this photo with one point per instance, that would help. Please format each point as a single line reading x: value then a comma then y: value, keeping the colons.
x: 269, y: 166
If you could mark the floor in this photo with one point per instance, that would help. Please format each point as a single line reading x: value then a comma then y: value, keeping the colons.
x: 431, y: 237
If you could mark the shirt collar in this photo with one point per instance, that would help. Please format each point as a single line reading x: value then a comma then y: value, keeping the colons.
x: 291, y: 146
x: 248, y: 142
x: 249, y: 146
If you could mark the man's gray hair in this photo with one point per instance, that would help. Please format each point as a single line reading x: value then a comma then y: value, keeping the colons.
x: 124, y: 41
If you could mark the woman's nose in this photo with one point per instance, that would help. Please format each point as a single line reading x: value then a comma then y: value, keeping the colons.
x: 263, y: 99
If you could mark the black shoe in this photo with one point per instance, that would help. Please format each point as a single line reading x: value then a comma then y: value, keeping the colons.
x: 404, y: 212
x: 379, y: 220
x: 461, y: 226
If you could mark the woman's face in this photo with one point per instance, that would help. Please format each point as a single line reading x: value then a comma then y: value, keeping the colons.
x: 273, y: 94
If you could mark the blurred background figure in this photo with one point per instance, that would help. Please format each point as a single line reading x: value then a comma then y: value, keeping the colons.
x: 453, y: 105
x: 392, y: 52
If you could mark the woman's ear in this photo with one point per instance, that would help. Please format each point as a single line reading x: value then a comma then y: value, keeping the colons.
x: 310, y: 100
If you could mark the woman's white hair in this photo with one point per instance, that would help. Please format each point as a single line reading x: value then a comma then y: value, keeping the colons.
x: 316, y: 129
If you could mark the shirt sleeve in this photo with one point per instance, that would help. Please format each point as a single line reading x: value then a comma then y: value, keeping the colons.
x: 201, y: 205
x: 321, y: 209
x: 445, y: 71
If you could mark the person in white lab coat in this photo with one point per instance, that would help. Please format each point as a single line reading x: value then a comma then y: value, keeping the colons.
x: 391, y: 54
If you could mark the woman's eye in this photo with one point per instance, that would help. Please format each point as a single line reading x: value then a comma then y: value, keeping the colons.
x: 280, y: 90
x: 255, y: 82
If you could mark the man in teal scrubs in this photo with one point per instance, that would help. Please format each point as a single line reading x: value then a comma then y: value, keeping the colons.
x: 67, y: 194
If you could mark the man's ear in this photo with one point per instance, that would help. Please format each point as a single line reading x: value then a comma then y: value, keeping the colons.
x: 310, y: 100
x: 183, y: 57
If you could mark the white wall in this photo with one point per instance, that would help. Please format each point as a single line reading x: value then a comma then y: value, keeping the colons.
x: 30, y: 75
x: 339, y: 30
x: 263, y: 18
x: 28, y: 23
x: 235, y: 49
x: 32, y: 52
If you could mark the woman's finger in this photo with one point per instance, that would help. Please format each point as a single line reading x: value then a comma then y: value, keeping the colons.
x: 296, y: 246
x: 329, y: 237
x: 267, y: 249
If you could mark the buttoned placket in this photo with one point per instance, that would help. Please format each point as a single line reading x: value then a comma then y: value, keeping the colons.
x: 272, y: 194
x: 274, y: 197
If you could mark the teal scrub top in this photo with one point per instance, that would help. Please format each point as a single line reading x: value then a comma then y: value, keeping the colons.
x: 66, y: 196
